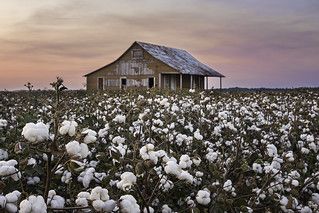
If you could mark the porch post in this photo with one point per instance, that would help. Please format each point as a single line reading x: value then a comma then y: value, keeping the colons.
x: 191, y: 86
x: 181, y: 81
x: 220, y: 83
x: 207, y: 82
x: 159, y: 80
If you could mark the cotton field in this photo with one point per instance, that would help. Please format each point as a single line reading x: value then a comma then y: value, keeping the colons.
x: 159, y: 151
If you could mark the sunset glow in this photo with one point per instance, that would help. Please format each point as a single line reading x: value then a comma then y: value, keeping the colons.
x: 254, y: 44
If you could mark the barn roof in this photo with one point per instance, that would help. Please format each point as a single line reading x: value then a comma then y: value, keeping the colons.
x: 178, y: 59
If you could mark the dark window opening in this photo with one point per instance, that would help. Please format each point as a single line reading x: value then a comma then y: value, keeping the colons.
x: 150, y: 82
x: 123, y: 83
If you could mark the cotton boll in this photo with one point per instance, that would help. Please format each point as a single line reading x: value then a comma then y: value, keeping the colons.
x: 55, y: 201
x: 3, y: 201
x: 184, y: 175
x: 73, y: 148
x: 128, y: 179
x: 109, y: 206
x: 228, y: 186
x: 257, y: 168
x: 90, y: 136
x: 150, y: 209
x: 68, y: 127
x: 166, y: 209
x: 82, y: 199
x: 197, y: 135
x: 172, y: 168
x: 315, y: 198
x: 76, y: 149
x: 98, y: 205
x: 147, y: 153
x: 196, y: 161
x: 119, y: 119
x: 33, y: 204
x: 99, y: 193
x: 35, y: 132
x: 128, y: 204
x: 185, y: 162
x: 203, y: 197
x: 271, y: 150
x: 3, y: 154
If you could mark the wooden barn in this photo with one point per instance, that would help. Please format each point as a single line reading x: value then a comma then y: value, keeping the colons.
x: 148, y: 65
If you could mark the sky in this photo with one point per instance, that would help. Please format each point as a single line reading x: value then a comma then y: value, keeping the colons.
x: 272, y: 43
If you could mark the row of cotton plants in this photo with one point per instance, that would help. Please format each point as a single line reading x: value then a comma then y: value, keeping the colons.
x: 158, y: 151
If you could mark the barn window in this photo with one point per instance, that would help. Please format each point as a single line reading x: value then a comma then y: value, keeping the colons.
x: 137, y: 54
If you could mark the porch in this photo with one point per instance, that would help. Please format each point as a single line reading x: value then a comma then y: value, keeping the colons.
x: 183, y: 81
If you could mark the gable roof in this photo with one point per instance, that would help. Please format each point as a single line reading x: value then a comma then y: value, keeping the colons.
x: 178, y: 59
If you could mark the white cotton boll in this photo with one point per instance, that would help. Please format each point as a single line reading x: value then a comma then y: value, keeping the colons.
x: 128, y: 204
x: 98, y: 205
x: 305, y: 209
x: 257, y: 168
x: 109, y: 205
x: 32, y: 162
x: 172, y: 168
x: 82, y: 199
x: 90, y: 136
x: 54, y: 200
x: 166, y: 209
x: 119, y: 118
x: 147, y: 153
x: 11, y: 207
x: 118, y: 140
x: 3, y: 123
x: 3, y: 154
x: 76, y: 149
x: 128, y: 179
x: 3, y: 201
x: 99, y: 193
x: 191, y: 90
x: 196, y: 161
x: 185, y: 162
x: 33, y: 204
x: 174, y: 108
x: 150, y: 209
x: 35, y: 132
x: 295, y: 183
x: 84, y: 150
x: 305, y: 150
x: 197, y: 135
x: 315, y: 198
x: 203, y: 197
x: 228, y: 185
x: 271, y: 150
x: 68, y: 127
x: 211, y: 156
x: 184, y: 175
x: 73, y: 148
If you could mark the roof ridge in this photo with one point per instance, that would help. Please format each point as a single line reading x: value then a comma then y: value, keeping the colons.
x: 158, y: 45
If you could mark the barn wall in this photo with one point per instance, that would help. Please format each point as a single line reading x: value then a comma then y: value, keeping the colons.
x: 137, y: 71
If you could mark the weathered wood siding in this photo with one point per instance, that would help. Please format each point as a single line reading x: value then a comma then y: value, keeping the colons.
x: 136, y: 70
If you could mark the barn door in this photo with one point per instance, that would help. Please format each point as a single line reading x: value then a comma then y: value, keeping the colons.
x: 172, y: 82
x: 100, y: 84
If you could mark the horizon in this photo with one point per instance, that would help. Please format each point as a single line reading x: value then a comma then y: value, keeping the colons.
x: 273, y: 44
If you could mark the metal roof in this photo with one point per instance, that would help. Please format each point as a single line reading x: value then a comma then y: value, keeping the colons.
x: 179, y: 59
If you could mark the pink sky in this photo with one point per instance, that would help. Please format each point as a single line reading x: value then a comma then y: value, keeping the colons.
x: 255, y: 44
